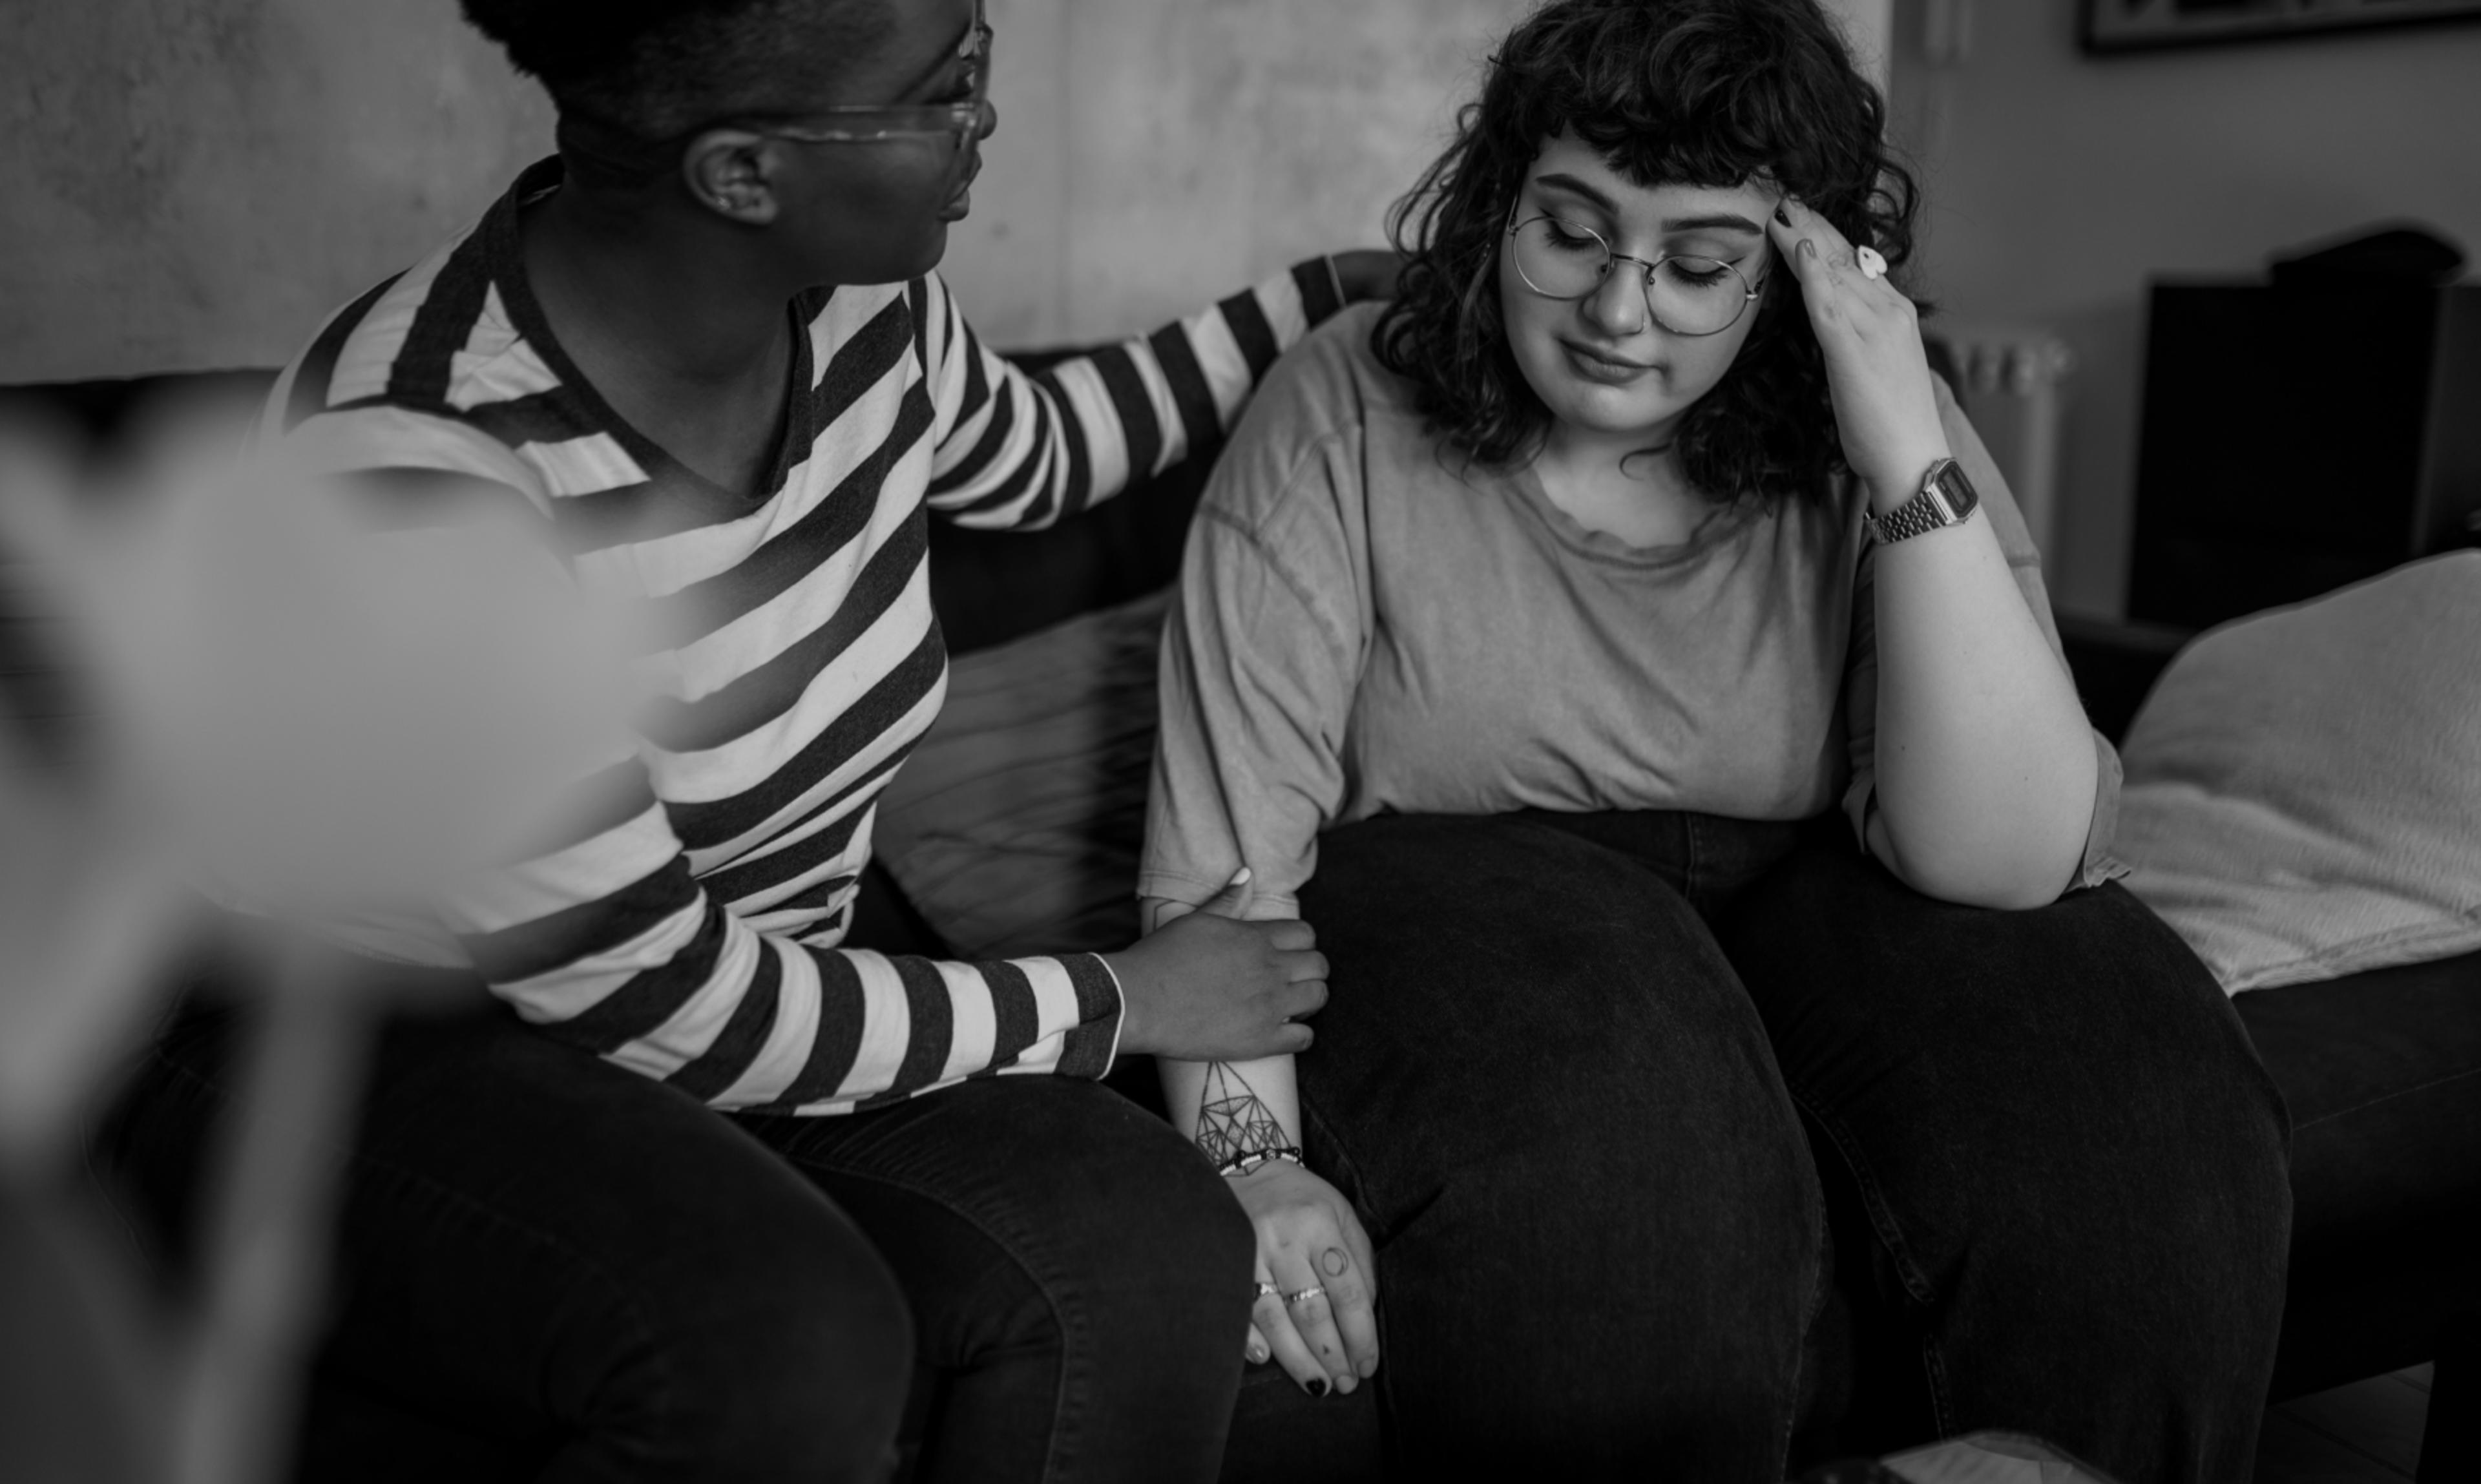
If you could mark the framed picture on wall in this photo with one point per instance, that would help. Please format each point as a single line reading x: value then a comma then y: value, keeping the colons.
x: 2140, y: 25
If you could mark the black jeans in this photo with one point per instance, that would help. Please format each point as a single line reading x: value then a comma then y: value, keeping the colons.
x: 1564, y: 1078
x: 556, y: 1269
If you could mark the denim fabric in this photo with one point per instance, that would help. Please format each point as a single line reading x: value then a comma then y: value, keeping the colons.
x: 2072, y: 1165
x: 1540, y: 1084
x: 556, y: 1270
x: 1564, y: 1101
x: 1079, y: 1277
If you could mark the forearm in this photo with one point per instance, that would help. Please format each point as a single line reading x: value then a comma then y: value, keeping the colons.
x: 1234, y: 1107
x: 1985, y: 764
x: 1223, y: 1107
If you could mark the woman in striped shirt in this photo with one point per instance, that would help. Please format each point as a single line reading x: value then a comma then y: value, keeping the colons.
x: 705, y: 350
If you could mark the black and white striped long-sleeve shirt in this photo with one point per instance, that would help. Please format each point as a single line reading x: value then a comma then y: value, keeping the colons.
x: 690, y: 933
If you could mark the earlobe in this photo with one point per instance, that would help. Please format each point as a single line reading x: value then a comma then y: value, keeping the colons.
x: 730, y: 172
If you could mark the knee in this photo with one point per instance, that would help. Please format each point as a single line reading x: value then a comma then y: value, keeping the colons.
x: 792, y: 1361
x: 1158, y: 1232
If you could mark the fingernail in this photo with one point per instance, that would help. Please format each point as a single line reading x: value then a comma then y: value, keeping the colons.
x: 1317, y: 1387
x: 1782, y: 214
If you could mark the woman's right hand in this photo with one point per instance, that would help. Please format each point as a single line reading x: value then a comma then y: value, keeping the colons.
x: 1308, y: 1238
x: 1213, y: 988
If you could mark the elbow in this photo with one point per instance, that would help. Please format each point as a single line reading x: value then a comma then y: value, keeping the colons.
x: 2001, y: 875
x: 2019, y: 893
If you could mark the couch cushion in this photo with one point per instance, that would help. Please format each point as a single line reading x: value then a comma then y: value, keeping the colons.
x: 2303, y: 786
x: 1016, y: 825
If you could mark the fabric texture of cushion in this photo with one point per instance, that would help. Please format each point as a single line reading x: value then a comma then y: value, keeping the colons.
x: 2303, y: 796
x: 1016, y: 825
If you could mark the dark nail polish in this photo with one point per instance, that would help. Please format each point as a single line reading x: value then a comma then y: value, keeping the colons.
x: 1782, y: 216
x: 1317, y: 1387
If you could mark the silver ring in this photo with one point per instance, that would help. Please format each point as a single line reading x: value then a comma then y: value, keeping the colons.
x: 1872, y: 266
x: 1314, y: 1291
x: 1268, y: 1290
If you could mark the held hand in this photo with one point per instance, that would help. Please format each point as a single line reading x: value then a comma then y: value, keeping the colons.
x: 1209, y: 988
x: 1875, y: 367
x: 1320, y: 1322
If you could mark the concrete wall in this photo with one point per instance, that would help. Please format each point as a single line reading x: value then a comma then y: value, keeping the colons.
x: 2060, y: 184
x: 1153, y: 154
x: 195, y: 183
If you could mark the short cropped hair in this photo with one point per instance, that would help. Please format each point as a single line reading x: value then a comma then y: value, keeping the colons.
x: 655, y: 69
x: 1704, y: 92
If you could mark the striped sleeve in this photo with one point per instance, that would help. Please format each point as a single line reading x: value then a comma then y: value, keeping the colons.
x: 606, y: 938
x: 610, y: 943
x: 1013, y: 451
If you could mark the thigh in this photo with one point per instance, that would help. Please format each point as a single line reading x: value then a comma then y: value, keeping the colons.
x: 1966, y: 1057
x: 1074, y: 1268
x: 1510, y: 994
x: 538, y: 1246
x: 2070, y: 1160
x: 1541, y: 1084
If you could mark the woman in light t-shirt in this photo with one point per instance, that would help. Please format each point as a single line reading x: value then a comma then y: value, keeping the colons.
x: 1524, y: 625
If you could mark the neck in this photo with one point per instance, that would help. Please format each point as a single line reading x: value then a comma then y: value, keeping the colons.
x: 1642, y: 456
x: 641, y: 294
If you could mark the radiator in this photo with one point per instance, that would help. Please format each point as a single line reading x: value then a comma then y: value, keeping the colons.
x: 2010, y: 382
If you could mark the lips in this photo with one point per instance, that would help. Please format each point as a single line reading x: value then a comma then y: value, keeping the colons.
x: 1599, y: 366
x: 962, y: 198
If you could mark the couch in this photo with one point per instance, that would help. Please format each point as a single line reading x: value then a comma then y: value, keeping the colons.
x: 2386, y: 1267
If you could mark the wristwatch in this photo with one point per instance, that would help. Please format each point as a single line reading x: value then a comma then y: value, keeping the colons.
x: 1945, y: 498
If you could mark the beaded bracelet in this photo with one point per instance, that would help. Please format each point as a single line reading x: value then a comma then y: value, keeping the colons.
x: 1249, y: 1162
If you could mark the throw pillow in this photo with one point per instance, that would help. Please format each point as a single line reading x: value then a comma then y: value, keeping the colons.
x: 1015, y: 828
x: 2303, y: 796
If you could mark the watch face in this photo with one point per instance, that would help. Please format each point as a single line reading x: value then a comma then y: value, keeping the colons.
x: 1955, y: 490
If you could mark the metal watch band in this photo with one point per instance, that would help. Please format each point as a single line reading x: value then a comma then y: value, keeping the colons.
x: 1924, y: 511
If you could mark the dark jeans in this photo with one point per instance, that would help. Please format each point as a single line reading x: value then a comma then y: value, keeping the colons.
x: 577, y: 1274
x: 1564, y: 1078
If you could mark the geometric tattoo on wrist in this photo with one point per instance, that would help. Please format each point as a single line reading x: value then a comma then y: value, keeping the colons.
x: 1232, y: 1120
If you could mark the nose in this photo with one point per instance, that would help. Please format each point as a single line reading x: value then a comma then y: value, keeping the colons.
x: 1617, y: 305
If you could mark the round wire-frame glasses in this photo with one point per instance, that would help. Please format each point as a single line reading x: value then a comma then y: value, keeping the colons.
x: 868, y: 123
x: 1685, y: 294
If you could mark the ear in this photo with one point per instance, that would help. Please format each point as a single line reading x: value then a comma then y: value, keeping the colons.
x: 733, y: 172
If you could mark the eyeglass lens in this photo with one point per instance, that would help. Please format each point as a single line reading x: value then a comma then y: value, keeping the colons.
x: 1687, y: 296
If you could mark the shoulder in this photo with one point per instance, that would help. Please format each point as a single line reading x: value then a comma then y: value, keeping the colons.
x: 1301, y: 432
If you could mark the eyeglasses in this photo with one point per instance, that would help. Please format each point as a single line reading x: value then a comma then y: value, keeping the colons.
x: 865, y: 123
x: 1685, y: 295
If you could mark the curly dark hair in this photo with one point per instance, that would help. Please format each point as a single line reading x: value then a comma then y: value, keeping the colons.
x: 654, y: 68
x: 1704, y: 93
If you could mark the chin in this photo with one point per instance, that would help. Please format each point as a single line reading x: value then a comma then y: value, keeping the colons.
x: 887, y: 262
x: 1610, y: 410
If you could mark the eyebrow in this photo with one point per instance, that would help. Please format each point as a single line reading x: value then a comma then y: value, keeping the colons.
x: 1724, y: 219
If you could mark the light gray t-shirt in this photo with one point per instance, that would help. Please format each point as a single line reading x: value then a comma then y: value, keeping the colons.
x: 1367, y: 623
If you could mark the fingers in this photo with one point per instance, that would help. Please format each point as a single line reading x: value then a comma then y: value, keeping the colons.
x: 1269, y: 1319
x: 1796, y: 220
x: 1299, y: 968
x: 1256, y: 1350
x: 1302, y: 997
x: 1354, y: 1300
x: 1292, y: 935
x: 1232, y: 899
x: 1310, y: 1302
